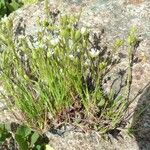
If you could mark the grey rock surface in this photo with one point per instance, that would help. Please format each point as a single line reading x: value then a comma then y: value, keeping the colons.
x: 116, y: 17
x: 90, y: 141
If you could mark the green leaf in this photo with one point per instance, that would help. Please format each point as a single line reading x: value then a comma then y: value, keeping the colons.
x: 46, y: 23
x: 3, y: 10
x: 102, y: 102
x: 65, y: 33
x: 72, y: 34
x: 132, y: 39
x: 15, y: 5
x: 64, y: 20
x: 23, y: 145
x: 2, y: 127
x: 4, y: 136
x: 118, y: 43
x: 23, y: 131
x: 38, y: 147
x: 8, y: 127
x: 4, y: 133
x: 102, y: 65
x: 34, y: 138
x: 77, y: 35
x: 34, y: 54
x: 2, y: 3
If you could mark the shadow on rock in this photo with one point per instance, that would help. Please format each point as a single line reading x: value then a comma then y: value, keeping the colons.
x: 141, y: 120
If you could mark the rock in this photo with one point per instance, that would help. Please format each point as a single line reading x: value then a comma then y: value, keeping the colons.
x: 116, y: 17
x: 90, y: 141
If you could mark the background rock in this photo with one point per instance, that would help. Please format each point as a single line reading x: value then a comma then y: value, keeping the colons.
x: 116, y: 17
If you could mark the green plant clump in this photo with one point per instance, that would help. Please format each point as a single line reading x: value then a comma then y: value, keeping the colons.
x: 8, y: 6
x: 24, y: 138
x: 59, y: 76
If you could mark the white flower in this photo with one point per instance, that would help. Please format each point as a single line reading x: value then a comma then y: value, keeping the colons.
x: 71, y: 44
x: 36, y: 44
x: 21, y: 36
x: 61, y: 70
x: 83, y: 30
x: 94, y: 52
x: 71, y: 56
x: 54, y: 41
x: 4, y: 19
x: 87, y: 62
x: 78, y: 50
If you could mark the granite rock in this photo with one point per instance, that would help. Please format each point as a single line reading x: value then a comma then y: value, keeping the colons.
x: 116, y: 17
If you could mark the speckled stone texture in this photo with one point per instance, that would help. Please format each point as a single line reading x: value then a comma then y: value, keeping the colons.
x: 116, y: 17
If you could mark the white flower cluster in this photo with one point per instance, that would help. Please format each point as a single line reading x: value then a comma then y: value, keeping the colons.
x: 94, y: 52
